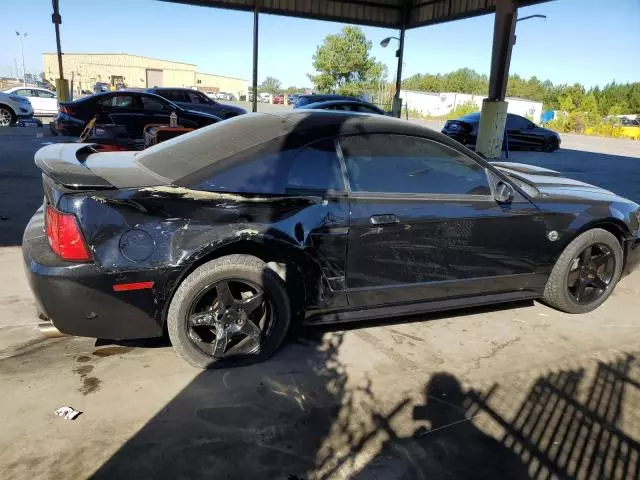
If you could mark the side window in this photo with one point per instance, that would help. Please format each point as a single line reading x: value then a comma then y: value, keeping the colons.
x: 316, y: 167
x: 195, y: 97
x: 119, y: 101
x: 516, y: 122
x: 23, y: 92
x: 153, y: 104
x: 44, y: 94
x: 263, y: 174
x: 365, y: 109
x: 404, y: 164
x: 173, y: 95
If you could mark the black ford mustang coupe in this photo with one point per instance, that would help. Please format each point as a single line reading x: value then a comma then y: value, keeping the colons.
x: 224, y: 236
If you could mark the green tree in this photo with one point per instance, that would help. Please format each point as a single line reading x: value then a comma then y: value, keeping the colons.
x: 589, y: 107
x: 343, y: 63
x: 270, y: 85
x: 566, y: 104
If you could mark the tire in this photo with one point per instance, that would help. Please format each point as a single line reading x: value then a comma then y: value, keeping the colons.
x: 556, y: 291
x: 550, y: 144
x: 7, y: 117
x: 237, y: 267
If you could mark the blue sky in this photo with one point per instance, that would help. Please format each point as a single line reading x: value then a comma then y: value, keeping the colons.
x: 588, y: 41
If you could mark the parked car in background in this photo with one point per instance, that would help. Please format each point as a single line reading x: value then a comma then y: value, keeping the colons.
x: 101, y: 87
x: 131, y: 109
x: 315, y: 216
x: 279, y: 99
x: 198, y: 101
x: 293, y: 98
x: 13, y: 108
x: 307, y: 99
x: 264, y: 97
x: 521, y: 132
x: 346, y: 106
x: 43, y: 102
x: 229, y: 97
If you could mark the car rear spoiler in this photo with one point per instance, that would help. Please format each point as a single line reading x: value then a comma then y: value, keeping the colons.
x: 78, y: 166
x: 64, y: 163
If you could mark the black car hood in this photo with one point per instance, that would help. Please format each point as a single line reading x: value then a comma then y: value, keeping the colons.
x: 551, y: 183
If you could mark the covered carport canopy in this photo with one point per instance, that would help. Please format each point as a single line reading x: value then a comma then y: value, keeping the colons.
x: 375, y: 13
x: 403, y: 15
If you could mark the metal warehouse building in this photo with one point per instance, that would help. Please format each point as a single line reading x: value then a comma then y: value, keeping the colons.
x: 135, y: 71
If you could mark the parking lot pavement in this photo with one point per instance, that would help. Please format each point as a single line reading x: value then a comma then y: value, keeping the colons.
x: 509, y: 392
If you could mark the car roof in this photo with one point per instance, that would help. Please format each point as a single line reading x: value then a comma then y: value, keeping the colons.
x: 470, y: 116
x: 172, y: 88
x: 338, y: 102
x: 187, y: 154
x: 329, y: 96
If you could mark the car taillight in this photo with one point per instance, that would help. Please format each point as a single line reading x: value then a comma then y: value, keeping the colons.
x: 65, y: 109
x: 65, y: 237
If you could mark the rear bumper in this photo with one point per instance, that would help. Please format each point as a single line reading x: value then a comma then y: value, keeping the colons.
x: 78, y: 298
x: 65, y: 125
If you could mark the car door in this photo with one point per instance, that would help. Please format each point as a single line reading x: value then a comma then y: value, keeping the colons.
x: 519, y: 132
x: 122, y: 108
x: 37, y: 103
x: 158, y: 111
x: 48, y: 101
x: 425, y: 225
x: 201, y: 103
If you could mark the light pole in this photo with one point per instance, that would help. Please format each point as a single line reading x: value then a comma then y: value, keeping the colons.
x: 24, y: 74
x: 397, y: 102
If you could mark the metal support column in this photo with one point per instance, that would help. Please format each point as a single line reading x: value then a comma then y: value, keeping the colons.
x: 396, y: 108
x: 62, y: 86
x: 494, y: 108
x: 254, y: 107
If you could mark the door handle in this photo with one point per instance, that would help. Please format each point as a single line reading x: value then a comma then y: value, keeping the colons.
x: 384, y: 219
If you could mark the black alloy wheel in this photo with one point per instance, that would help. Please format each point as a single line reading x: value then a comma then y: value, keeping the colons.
x: 586, y: 272
x: 229, y: 317
x: 233, y: 310
x: 592, y: 272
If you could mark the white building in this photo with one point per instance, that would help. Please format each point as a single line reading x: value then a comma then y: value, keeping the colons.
x: 440, y: 104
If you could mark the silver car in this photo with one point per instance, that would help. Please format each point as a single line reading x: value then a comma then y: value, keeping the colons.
x: 13, y: 108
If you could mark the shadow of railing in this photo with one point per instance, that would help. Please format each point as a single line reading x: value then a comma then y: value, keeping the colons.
x: 557, y: 435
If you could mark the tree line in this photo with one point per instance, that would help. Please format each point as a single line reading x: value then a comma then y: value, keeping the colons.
x: 611, y: 99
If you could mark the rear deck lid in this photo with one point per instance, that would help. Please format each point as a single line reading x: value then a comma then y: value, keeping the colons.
x: 78, y: 166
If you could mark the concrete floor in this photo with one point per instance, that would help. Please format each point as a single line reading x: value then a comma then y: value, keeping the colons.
x: 520, y: 391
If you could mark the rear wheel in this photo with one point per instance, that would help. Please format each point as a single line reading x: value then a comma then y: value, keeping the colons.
x: 586, y: 273
x: 6, y: 116
x: 231, y: 311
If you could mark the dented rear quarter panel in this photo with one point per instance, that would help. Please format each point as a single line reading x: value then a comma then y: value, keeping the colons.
x: 189, y: 226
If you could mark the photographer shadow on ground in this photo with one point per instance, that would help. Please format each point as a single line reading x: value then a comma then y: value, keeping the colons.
x: 453, y: 448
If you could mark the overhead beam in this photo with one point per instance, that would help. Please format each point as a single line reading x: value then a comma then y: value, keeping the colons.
x: 375, y: 13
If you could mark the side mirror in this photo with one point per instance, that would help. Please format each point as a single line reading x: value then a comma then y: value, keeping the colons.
x: 503, y: 193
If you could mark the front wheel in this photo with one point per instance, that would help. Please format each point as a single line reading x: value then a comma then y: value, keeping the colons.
x: 586, y: 273
x: 6, y: 117
x: 231, y: 311
x: 551, y: 144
